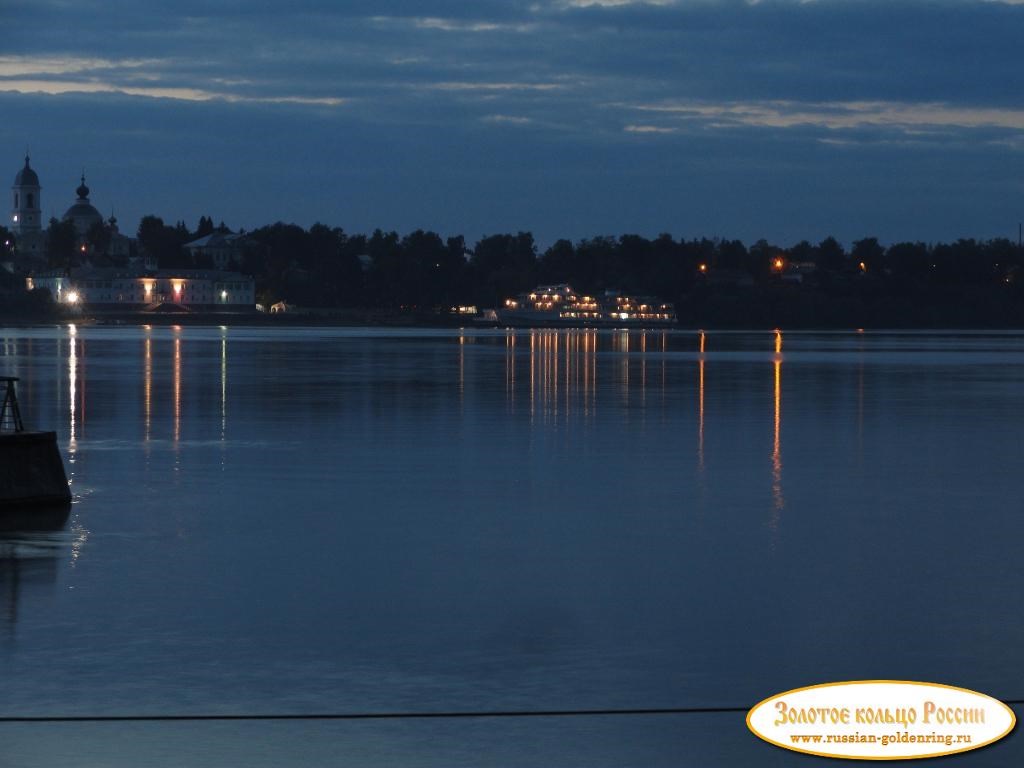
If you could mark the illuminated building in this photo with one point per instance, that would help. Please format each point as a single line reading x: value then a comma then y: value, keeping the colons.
x: 110, y: 288
x: 561, y: 305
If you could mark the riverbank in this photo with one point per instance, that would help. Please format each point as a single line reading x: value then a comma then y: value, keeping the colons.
x: 786, y: 307
x: 346, y: 317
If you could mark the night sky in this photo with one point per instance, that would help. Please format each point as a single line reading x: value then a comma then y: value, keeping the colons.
x: 569, y: 118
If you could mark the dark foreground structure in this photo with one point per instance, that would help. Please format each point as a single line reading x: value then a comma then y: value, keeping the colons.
x: 31, y: 469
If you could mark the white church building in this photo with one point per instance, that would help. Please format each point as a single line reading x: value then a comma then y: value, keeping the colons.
x: 26, y: 220
x: 131, y: 287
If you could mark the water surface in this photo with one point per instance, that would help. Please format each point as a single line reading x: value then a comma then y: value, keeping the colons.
x: 339, y: 520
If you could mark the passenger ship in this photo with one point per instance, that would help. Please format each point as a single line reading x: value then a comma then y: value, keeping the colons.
x: 559, y: 305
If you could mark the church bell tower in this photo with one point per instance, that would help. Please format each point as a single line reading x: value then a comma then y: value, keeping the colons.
x: 26, y: 212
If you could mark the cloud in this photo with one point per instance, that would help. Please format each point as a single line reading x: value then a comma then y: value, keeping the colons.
x: 136, y: 77
x: 843, y: 115
x: 612, y: 3
x: 951, y: 52
x: 779, y: 88
x: 452, y: 25
x: 506, y: 119
x: 57, y: 87
x: 26, y: 66
x: 648, y: 129
x: 483, y: 86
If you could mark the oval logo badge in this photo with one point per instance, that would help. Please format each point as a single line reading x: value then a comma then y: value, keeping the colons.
x: 881, y: 720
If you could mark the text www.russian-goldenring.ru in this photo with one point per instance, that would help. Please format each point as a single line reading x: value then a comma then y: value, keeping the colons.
x: 884, y: 740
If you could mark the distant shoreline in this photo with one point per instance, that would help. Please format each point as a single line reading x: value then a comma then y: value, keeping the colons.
x: 718, y: 311
x: 398, y: 321
x: 348, y: 318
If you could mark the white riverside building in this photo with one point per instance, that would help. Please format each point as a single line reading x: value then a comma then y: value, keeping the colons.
x: 112, y: 288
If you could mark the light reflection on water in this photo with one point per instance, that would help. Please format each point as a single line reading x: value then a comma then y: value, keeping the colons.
x: 350, y: 519
x: 777, y: 497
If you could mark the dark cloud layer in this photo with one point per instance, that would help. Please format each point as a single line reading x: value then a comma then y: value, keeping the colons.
x: 775, y: 119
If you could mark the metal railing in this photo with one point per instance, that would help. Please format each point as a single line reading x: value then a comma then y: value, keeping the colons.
x: 10, y: 414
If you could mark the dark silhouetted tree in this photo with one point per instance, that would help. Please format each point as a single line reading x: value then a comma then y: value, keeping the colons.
x: 163, y: 242
x: 61, y: 243
x: 830, y: 256
x: 869, y: 253
x: 503, y: 266
x: 204, y: 228
x: 98, y: 238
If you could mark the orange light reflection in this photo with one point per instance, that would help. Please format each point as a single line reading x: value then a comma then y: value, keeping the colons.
x: 778, y: 499
x: 700, y: 406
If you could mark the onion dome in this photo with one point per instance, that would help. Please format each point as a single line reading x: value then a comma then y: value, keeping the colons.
x: 26, y: 177
x: 82, y: 213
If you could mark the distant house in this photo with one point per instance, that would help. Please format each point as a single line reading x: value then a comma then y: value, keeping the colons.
x: 223, y: 247
x: 131, y: 289
x: 798, y: 271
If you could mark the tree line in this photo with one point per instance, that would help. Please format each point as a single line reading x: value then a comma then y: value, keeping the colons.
x: 711, y: 280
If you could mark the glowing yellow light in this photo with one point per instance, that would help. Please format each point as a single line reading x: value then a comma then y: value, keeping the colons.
x: 224, y: 295
x: 778, y: 263
x: 147, y: 287
x: 72, y: 297
x: 703, y: 268
x: 82, y: 248
x: 177, y: 288
x: 15, y: 218
x: 863, y: 267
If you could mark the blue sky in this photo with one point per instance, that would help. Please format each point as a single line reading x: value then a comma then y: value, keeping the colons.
x: 568, y: 118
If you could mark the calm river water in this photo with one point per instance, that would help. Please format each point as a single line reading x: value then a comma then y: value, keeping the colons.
x: 353, y: 520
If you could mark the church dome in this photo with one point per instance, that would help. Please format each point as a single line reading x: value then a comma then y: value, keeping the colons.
x: 83, y: 209
x: 26, y: 177
x: 82, y: 213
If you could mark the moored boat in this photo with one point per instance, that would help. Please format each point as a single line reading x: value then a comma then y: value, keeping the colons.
x: 561, y: 306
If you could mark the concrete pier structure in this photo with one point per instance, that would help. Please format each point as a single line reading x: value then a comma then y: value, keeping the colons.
x: 31, y: 469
